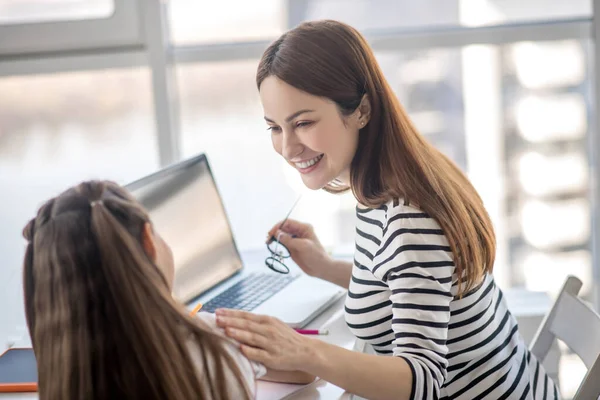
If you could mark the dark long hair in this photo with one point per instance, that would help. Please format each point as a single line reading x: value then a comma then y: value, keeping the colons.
x: 100, y: 313
x: 393, y: 161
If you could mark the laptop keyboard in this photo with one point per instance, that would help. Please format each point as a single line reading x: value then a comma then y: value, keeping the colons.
x: 250, y: 292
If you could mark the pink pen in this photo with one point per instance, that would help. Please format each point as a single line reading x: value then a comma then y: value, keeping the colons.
x: 312, y: 331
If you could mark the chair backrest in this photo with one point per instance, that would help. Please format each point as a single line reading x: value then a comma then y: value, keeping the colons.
x: 578, y: 326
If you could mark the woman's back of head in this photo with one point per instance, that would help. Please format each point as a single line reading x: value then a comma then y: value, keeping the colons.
x: 100, y: 313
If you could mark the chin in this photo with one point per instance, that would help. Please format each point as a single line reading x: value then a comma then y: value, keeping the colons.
x: 314, y: 184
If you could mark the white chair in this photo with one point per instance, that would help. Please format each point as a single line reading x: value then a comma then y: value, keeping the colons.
x: 578, y: 326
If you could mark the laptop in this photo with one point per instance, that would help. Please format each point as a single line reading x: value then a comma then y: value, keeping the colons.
x: 186, y: 208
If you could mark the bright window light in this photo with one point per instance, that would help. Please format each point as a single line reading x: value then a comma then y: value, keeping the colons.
x: 548, y: 65
x: 542, y: 175
x: 427, y: 68
x: 560, y: 117
x: 550, y: 224
x: 547, y: 272
x: 428, y: 122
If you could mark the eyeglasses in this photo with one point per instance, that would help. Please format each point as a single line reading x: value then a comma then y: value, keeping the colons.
x: 278, y: 251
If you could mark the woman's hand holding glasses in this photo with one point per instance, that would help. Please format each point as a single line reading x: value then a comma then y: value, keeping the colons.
x: 301, y: 244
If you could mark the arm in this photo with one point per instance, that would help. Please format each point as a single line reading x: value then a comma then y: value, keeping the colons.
x: 338, y: 272
x: 370, y: 376
x: 415, y: 262
x: 301, y: 377
x: 271, y: 342
x: 418, y: 368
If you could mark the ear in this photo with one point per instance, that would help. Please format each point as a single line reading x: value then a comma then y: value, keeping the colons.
x: 148, y: 241
x: 364, y: 111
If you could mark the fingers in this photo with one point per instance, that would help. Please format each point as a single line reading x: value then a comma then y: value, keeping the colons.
x: 291, y: 227
x: 243, y: 324
x: 258, y: 355
x: 248, y: 337
x: 226, y: 312
x: 294, y: 227
x: 284, y: 238
x: 273, y: 230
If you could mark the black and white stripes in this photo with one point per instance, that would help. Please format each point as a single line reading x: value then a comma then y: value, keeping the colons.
x: 402, y: 300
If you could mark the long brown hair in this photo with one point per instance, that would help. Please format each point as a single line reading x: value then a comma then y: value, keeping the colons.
x: 100, y: 314
x: 393, y: 161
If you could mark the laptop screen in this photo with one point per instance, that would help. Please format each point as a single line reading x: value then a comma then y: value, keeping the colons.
x: 186, y: 209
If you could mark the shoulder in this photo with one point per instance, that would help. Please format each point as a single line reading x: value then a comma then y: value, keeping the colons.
x: 233, y: 347
x: 395, y: 214
x: 392, y: 207
x: 404, y: 215
x: 412, y: 243
x: 250, y: 370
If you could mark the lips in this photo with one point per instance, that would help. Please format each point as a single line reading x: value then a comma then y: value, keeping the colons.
x: 309, y: 163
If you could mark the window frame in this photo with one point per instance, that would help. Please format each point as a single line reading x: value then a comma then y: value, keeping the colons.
x: 121, y: 29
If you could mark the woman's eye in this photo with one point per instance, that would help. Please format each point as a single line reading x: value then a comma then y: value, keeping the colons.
x: 274, y: 128
x: 303, y: 124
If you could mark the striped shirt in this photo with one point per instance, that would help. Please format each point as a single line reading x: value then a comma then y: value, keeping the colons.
x: 402, y: 301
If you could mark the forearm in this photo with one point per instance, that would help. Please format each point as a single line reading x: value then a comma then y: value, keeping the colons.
x: 274, y: 375
x: 369, y: 376
x: 339, y: 273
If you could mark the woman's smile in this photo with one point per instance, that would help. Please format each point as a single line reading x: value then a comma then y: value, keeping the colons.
x: 307, y: 166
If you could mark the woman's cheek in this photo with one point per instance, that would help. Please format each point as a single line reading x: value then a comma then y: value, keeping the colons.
x: 276, y: 140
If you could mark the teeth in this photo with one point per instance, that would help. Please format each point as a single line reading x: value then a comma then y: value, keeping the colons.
x: 309, y: 163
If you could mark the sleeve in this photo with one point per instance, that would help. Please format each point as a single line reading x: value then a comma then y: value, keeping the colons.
x: 251, y: 370
x: 415, y: 261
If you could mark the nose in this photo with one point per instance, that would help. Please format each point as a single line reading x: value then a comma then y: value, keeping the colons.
x: 291, y: 146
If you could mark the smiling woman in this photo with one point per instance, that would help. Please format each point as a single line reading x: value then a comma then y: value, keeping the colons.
x: 421, y: 290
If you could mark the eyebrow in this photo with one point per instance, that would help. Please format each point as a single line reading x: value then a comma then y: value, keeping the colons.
x: 292, y: 116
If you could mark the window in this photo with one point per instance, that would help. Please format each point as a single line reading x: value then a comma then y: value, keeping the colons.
x: 195, y: 22
x: 546, y: 130
x: 424, y: 14
x: 39, y: 27
x: 32, y: 11
x: 56, y: 131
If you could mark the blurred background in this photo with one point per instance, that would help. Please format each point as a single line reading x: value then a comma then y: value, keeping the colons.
x: 115, y: 89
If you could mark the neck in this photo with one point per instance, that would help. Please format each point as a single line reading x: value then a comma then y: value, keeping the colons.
x: 344, y: 177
